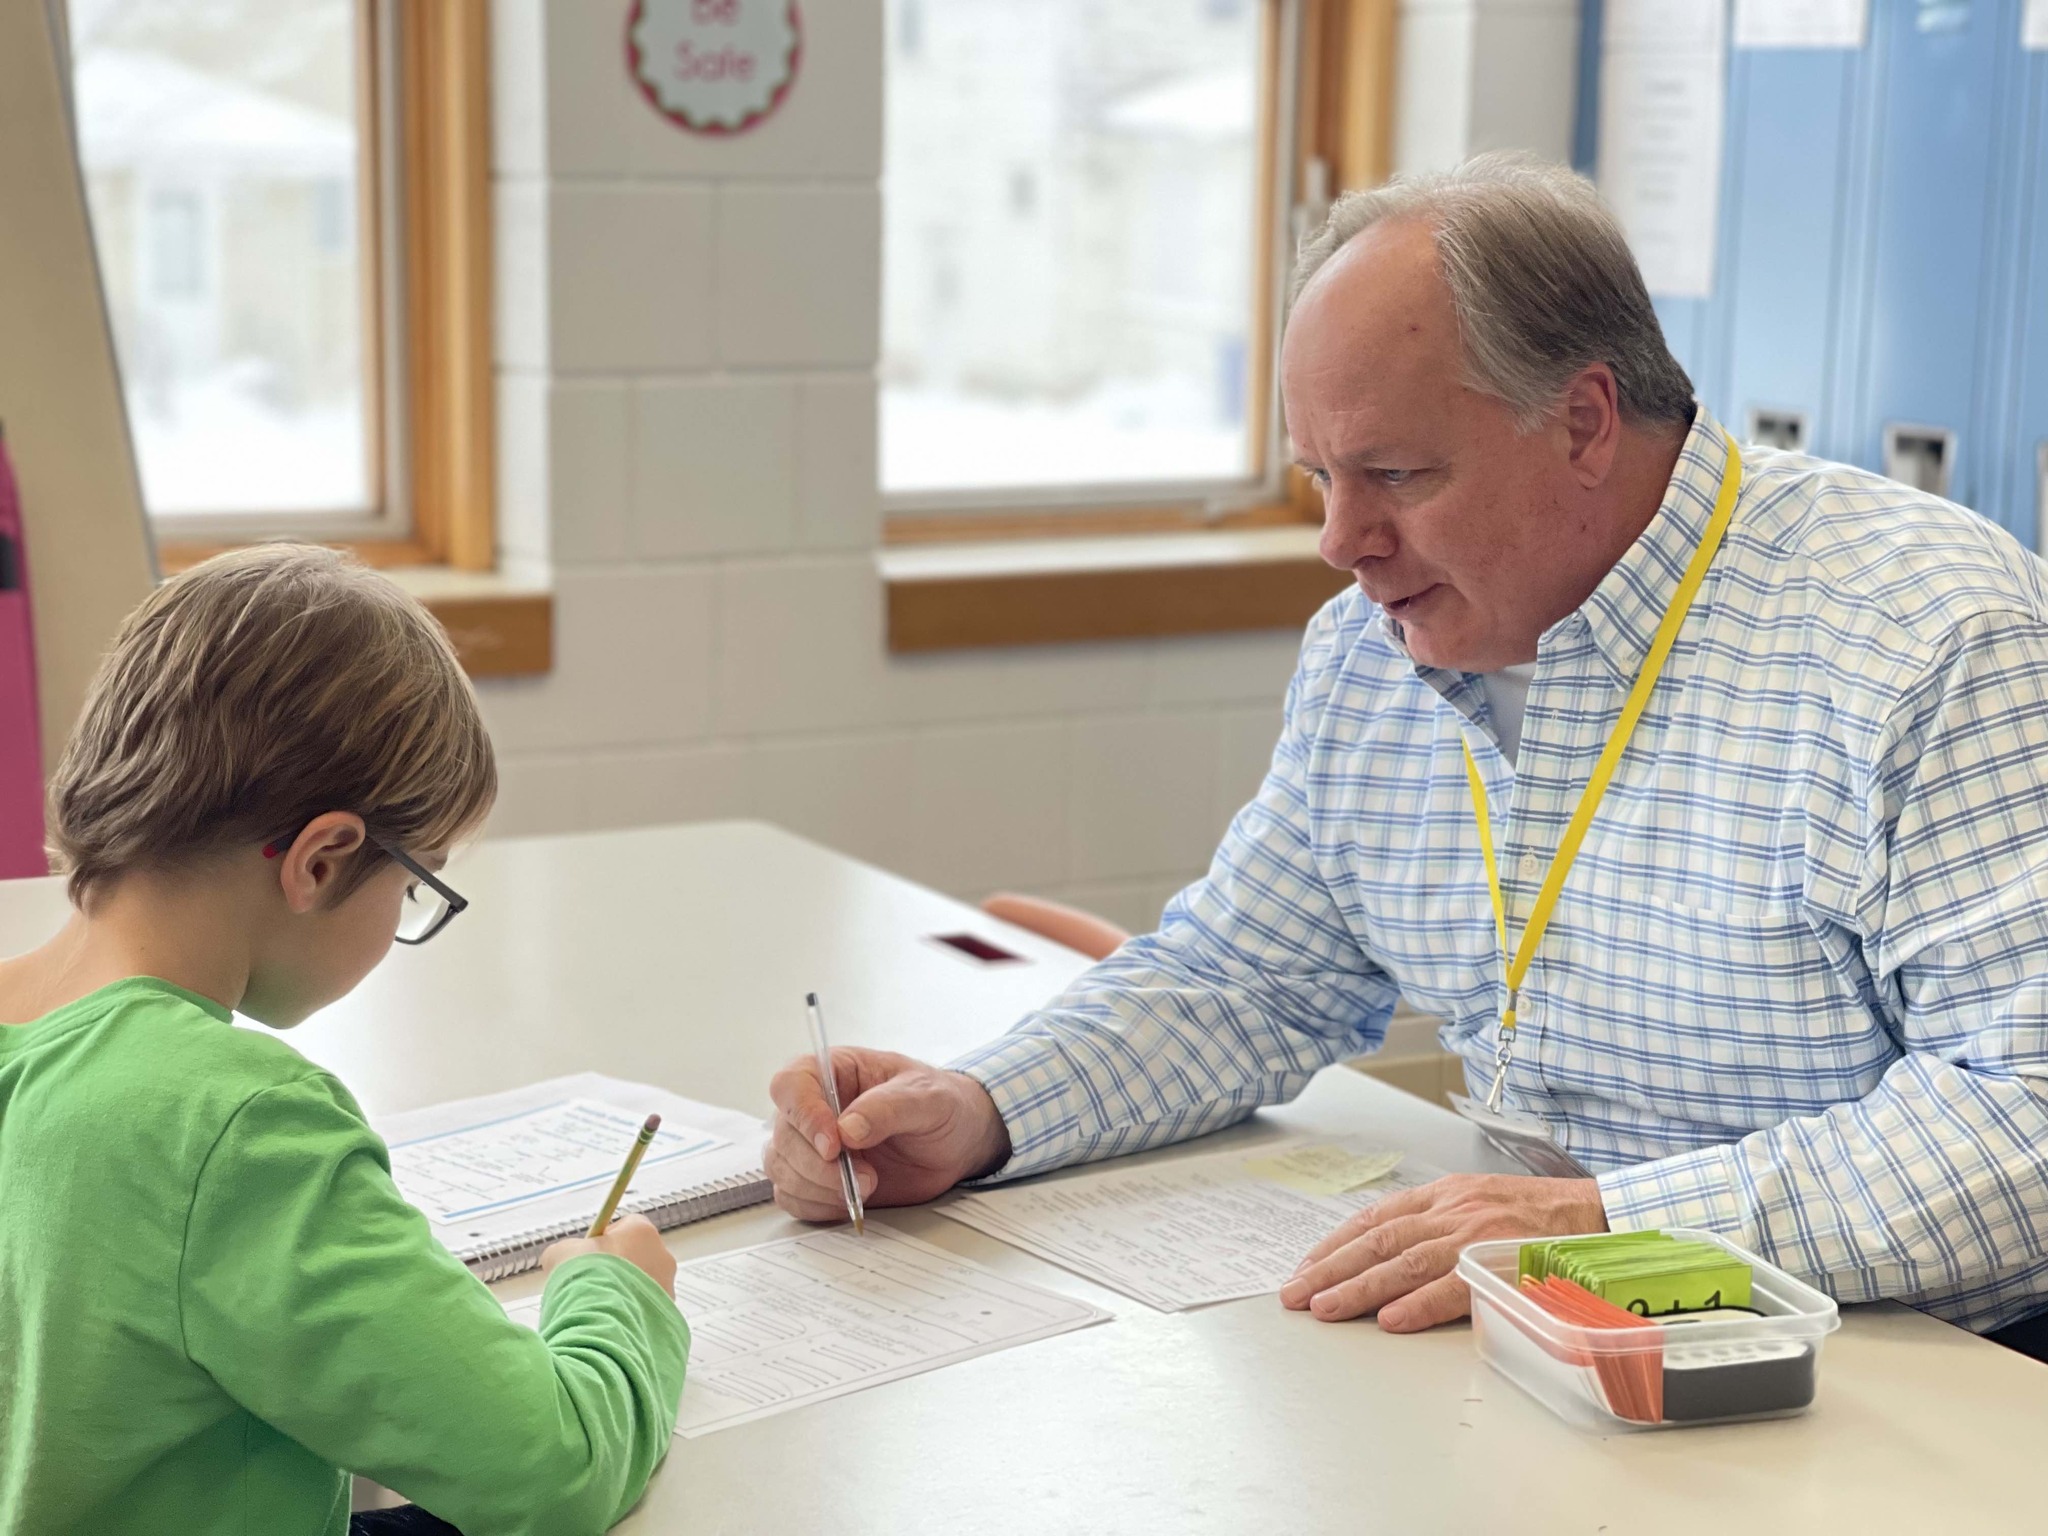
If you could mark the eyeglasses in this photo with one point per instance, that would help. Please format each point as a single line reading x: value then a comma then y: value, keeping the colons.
x: 424, y: 914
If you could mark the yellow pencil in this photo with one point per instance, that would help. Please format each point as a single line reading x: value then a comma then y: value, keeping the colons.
x: 611, y: 1201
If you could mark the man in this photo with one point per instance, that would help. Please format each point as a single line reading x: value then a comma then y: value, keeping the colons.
x: 1794, y: 984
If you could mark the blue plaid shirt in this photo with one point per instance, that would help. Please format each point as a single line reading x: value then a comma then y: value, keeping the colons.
x: 1796, y: 988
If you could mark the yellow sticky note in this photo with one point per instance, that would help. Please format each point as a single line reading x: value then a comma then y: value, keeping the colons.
x: 1324, y: 1169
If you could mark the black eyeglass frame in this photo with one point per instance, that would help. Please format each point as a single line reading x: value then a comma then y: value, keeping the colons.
x: 456, y: 904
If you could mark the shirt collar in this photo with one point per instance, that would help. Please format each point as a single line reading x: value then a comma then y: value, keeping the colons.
x: 1623, y: 612
x: 1460, y: 689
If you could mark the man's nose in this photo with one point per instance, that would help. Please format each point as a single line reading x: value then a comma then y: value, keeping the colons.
x: 1352, y: 532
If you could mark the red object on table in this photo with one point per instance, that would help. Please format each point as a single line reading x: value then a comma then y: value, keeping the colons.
x: 1633, y: 1382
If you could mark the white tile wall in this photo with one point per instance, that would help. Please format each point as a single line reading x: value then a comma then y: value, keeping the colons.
x: 589, y: 469
x: 518, y: 89
x: 597, y: 122
x: 800, y: 647
x: 538, y: 795
x: 525, y: 507
x: 1244, y: 751
x: 520, y: 279
x: 687, y: 331
x: 632, y: 664
x: 1133, y: 905
x: 629, y: 277
x: 714, y: 464
x: 799, y: 275
x: 1225, y: 669
x: 848, y: 792
x: 829, y: 126
x: 650, y: 788
x: 1143, y: 798
x: 989, y: 807
x: 1071, y: 680
x: 838, y: 503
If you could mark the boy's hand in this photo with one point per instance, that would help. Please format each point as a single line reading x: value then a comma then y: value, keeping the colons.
x: 632, y: 1238
x: 914, y: 1131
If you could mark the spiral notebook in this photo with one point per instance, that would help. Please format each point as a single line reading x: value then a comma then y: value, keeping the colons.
x: 500, y: 1178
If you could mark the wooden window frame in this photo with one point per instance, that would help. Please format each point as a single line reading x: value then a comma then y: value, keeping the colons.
x: 443, y: 124
x: 1046, y: 590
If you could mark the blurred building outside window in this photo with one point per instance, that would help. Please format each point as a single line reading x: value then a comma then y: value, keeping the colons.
x: 1073, y: 209
x: 229, y: 168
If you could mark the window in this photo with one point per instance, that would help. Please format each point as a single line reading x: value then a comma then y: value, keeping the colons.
x: 291, y: 241
x: 1081, y: 229
x: 226, y: 132
x: 174, y: 255
x: 1090, y: 207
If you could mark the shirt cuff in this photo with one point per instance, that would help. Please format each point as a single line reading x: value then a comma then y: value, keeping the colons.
x: 1039, y: 1097
x: 1693, y: 1189
x: 586, y: 1276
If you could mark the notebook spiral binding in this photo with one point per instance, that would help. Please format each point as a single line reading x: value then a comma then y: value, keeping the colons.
x: 521, y: 1251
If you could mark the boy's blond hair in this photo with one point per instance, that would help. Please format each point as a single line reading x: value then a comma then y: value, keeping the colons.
x: 254, y: 692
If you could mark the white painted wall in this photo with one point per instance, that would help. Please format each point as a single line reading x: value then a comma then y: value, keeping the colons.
x: 1475, y: 75
x: 687, y: 330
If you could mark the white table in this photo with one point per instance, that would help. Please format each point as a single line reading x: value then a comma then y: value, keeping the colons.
x: 680, y: 956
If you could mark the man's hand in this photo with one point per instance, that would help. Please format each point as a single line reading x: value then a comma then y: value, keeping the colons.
x: 1399, y: 1257
x: 632, y: 1238
x: 914, y: 1130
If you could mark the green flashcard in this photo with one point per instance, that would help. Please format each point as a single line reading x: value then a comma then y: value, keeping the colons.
x: 1536, y: 1261
x: 1687, y: 1284
x: 1649, y: 1273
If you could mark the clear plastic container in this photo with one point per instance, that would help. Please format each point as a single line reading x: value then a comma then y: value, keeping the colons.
x: 1663, y: 1375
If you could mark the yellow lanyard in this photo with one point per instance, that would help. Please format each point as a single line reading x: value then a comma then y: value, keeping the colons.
x: 1596, y: 785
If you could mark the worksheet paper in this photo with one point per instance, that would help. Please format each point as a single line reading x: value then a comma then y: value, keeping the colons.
x: 1185, y: 1233
x: 2034, y: 25
x: 818, y: 1316
x: 571, y: 1144
x: 498, y: 1175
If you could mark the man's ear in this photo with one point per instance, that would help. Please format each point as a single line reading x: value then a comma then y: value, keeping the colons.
x: 311, y: 867
x: 1591, y: 418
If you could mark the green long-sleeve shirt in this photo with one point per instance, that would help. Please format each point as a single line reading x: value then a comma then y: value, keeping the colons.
x: 213, y: 1300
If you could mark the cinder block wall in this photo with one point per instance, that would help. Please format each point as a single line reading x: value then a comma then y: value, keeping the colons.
x: 687, y: 332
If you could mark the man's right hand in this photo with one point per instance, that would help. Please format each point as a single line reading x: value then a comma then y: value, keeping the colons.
x: 914, y: 1131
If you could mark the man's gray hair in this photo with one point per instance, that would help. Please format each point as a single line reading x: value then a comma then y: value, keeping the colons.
x: 1541, y: 278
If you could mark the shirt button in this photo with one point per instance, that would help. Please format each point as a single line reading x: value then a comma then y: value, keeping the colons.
x: 1528, y: 867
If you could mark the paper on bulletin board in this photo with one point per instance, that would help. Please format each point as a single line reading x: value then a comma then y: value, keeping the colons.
x: 1674, y: 25
x: 2034, y: 26
x: 1663, y: 87
x: 1801, y: 23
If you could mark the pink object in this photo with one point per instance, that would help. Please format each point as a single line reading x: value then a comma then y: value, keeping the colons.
x: 21, y: 751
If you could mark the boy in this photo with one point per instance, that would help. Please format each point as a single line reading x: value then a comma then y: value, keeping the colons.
x: 212, y: 1297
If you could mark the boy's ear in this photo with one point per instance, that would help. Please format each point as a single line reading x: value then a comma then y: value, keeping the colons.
x: 310, y: 867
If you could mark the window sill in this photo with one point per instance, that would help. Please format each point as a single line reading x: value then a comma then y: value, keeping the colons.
x: 1057, y: 591
x: 502, y: 623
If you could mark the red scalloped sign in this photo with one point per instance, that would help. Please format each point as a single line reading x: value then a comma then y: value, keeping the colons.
x: 714, y: 66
